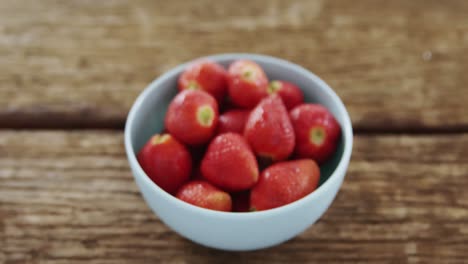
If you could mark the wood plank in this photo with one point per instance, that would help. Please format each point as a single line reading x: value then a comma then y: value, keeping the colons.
x: 68, y: 197
x: 398, y: 65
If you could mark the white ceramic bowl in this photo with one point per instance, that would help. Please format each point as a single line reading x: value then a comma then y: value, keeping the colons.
x: 237, y: 231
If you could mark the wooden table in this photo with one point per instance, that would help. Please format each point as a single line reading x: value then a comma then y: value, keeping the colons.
x: 70, y: 70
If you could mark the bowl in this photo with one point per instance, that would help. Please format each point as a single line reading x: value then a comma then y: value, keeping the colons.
x: 226, y: 230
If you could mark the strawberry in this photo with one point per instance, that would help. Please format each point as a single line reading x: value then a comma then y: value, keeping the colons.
x: 205, y: 75
x: 241, y: 201
x: 232, y: 121
x: 269, y: 131
x: 229, y: 163
x: 284, y: 183
x: 317, y: 132
x: 291, y: 94
x: 192, y: 117
x: 166, y: 162
x: 203, y: 194
x: 247, y: 83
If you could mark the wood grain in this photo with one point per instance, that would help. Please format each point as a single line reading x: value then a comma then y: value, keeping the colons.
x: 68, y: 197
x: 398, y: 65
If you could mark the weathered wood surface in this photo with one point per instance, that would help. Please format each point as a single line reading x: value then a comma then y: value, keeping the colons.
x: 398, y: 65
x: 68, y: 197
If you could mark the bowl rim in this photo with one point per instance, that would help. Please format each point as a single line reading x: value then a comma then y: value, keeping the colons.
x: 333, y: 179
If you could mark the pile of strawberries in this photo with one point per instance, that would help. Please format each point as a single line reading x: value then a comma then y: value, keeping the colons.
x: 236, y: 142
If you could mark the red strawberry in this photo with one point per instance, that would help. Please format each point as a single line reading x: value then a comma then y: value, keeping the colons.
x: 284, y: 183
x: 192, y: 117
x: 241, y: 201
x: 203, y: 194
x: 166, y: 161
x: 232, y: 121
x: 247, y: 83
x: 317, y: 132
x: 291, y: 94
x: 229, y: 163
x: 269, y: 131
x: 205, y: 75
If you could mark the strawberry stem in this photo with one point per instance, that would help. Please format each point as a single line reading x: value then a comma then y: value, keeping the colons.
x: 317, y: 135
x: 159, y: 139
x: 193, y: 85
x: 274, y: 87
x: 249, y: 74
x: 205, y: 115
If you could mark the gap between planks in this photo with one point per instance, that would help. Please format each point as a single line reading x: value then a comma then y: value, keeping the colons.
x: 116, y: 125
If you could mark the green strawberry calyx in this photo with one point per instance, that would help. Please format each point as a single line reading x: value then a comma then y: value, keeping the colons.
x: 317, y: 135
x: 205, y: 115
x: 160, y: 139
x: 274, y: 86
x: 249, y: 74
x: 193, y: 85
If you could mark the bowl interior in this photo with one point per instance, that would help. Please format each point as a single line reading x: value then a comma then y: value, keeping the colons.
x: 152, y: 104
